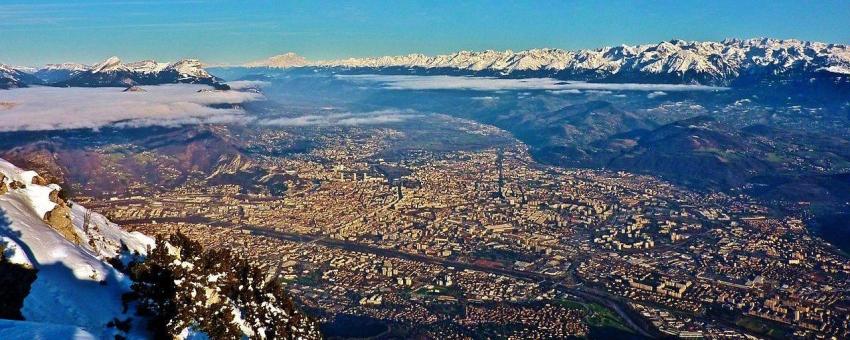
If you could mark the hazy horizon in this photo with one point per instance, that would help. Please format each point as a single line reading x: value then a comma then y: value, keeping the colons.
x: 228, y: 32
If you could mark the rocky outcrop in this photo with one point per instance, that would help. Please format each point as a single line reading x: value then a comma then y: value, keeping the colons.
x: 3, y: 187
x: 60, y: 219
x: 14, y: 185
x: 39, y: 180
x: 54, y: 197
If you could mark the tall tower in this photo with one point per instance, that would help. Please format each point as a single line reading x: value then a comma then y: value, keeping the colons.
x: 500, y: 166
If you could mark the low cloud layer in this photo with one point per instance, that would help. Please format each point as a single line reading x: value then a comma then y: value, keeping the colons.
x: 410, y: 82
x: 566, y: 91
x: 656, y: 94
x: 52, y: 108
x: 346, y: 119
x: 247, y: 84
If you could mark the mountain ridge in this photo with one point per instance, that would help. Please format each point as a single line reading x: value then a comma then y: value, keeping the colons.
x: 675, y: 61
x: 111, y: 72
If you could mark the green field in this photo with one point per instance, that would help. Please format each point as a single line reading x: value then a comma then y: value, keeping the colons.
x: 760, y: 326
x: 604, y: 323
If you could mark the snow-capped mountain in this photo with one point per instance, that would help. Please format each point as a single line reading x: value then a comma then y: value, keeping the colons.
x: 282, y: 60
x: 52, y: 73
x: 76, y: 67
x: 187, y: 70
x: 68, y: 246
x: 11, y: 77
x: 147, y: 66
x: 112, y: 72
x: 675, y: 61
x: 111, y: 64
x: 108, y: 73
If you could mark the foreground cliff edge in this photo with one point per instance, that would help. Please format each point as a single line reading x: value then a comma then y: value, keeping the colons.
x: 70, y: 273
x: 68, y: 247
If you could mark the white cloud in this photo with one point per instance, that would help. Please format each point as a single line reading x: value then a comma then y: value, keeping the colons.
x: 350, y: 119
x: 566, y: 91
x: 412, y: 82
x: 247, y: 84
x: 53, y: 108
x: 655, y: 94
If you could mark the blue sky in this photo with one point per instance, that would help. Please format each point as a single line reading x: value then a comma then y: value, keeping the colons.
x: 35, y: 32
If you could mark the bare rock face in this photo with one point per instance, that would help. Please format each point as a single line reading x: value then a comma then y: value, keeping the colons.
x: 60, y: 219
x: 54, y: 197
x: 3, y: 187
x: 16, y: 185
x: 39, y: 180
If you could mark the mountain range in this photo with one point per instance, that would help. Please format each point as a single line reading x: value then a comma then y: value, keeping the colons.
x: 728, y: 62
x: 109, y: 73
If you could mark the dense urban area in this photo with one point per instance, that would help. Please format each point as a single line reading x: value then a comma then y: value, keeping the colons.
x: 483, y: 240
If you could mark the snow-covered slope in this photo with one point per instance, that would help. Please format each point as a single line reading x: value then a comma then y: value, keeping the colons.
x: 75, y: 286
x: 10, y: 329
x: 188, y: 70
x: 11, y: 77
x: 52, y: 73
x: 111, y: 64
x: 674, y: 61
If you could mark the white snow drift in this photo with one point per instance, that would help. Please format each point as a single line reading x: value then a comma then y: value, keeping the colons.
x: 74, y: 285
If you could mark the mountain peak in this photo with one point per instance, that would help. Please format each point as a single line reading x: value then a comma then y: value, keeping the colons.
x: 147, y: 66
x: 110, y: 64
x: 189, y: 68
x: 65, y: 66
x: 289, y: 59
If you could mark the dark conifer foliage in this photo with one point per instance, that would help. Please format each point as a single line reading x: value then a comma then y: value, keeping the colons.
x: 180, y: 285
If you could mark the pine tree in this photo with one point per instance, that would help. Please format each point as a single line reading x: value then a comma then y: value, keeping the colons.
x: 181, y: 285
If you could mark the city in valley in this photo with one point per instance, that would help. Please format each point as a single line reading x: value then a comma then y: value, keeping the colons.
x: 381, y: 226
x: 259, y: 170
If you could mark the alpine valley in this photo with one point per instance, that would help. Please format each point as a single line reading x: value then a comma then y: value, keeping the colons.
x: 675, y: 189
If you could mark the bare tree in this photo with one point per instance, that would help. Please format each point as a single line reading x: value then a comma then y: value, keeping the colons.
x: 87, y: 229
x: 86, y: 221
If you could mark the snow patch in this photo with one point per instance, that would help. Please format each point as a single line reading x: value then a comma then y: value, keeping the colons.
x: 74, y: 285
x: 26, y: 330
